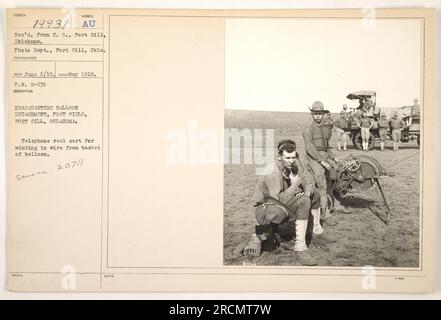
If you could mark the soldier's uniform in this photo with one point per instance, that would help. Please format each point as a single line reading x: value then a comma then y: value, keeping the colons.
x: 353, y: 120
x: 365, y: 127
x: 277, y: 186
x: 365, y: 123
x: 415, y: 112
x: 416, y: 108
x: 341, y: 128
x: 345, y: 110
x: 328, y: 124
x: 383, y: 124
x: 277, y: 201
x: 396, y: 125
x: 317, y: 150
x: 342, y: 123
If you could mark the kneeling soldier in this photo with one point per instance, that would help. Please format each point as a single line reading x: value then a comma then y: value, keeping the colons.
x: 285, y: 195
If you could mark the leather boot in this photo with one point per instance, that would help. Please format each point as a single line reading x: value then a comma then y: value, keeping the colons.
x: 268, y: 237
x: 338, y: 207
x: 323, y: 238
x: 319, y: 235
x: 328, y: 218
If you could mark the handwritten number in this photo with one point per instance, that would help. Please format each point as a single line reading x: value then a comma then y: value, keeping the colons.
x: 48, y: 24
x: 71, y: 164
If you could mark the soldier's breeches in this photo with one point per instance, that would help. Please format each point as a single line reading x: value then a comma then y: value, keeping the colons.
x: 315, y: 201
x: 396, y: 135
x: 382, y: 132
x: 319, y: 177
x: 270, y: 214
x: 365, y: 133
x: 341, y: 135
x: 296, y: 208
x: 300, y: 206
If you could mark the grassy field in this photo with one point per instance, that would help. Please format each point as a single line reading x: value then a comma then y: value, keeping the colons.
x: 363, y: 239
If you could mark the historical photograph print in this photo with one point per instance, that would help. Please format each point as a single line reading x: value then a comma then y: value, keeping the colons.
x: 322, y: 142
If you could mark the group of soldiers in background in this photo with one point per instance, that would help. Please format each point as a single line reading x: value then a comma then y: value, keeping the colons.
x: 357, y: 118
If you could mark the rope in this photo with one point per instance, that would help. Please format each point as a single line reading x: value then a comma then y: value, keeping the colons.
x: 402, y: 160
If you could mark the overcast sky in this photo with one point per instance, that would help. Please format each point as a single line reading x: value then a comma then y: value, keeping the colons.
x: 287, y: 64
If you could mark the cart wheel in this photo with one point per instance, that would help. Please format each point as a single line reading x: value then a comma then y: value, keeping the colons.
x: 358, y: 142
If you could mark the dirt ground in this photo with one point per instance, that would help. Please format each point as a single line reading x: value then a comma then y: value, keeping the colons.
x: 362, y: 238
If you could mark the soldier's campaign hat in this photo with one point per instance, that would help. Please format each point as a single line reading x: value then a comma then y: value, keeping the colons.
x: 317, y: 107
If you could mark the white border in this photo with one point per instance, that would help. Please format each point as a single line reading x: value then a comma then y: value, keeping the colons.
x: 196, y: 4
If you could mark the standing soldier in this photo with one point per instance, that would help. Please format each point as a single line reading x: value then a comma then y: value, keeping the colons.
x: 396, y: 124
x: 416, y: 107
x: 383, y: 124
x: 320, y: 157
x: 341, y: 127
x: 345, y: 110
x: 354, y: 119
x: 365, y: 126
x: 415, y: 112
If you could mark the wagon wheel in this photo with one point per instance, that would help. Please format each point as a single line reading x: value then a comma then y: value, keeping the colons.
x: 358, y: 142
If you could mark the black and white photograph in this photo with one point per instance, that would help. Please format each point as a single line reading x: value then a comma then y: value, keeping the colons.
x: 322, y: 142
x: 260, y: 152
